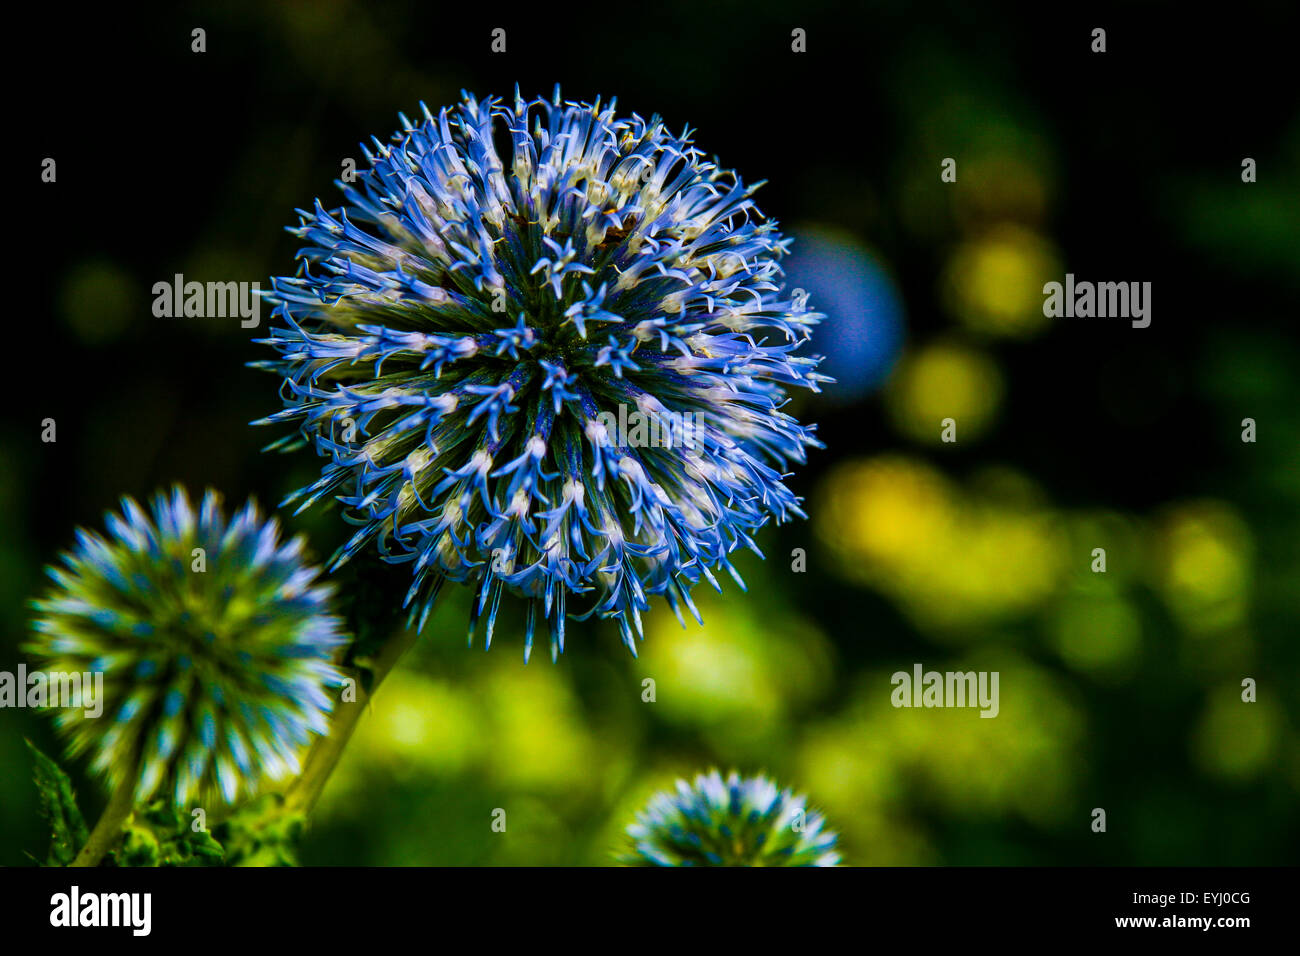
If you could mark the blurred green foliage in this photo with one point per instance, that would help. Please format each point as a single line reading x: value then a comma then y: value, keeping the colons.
x: 59, y: 809
x: 1120, y: 690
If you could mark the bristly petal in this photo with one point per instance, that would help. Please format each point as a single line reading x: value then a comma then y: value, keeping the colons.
x: 739, y: 821
x: 468, y: 337
x: 214, y: 640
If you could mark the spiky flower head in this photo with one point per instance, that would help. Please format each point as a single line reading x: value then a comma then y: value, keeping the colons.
x: 740, y: 821
x: 474, y: 339
x: 214, y: 641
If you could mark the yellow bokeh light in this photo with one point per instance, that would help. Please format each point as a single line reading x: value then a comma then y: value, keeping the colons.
x: 944, y: 381
x: 1099, y: 633
x: 885, y: 509
x: 948, y: 556
x: 415, y: 726
x: 1236, y: 739
x: 538, y: 737
x: 740, y: 671
x: 1204, y: 565
x: 1023, y: 759
x: 870, y: 766
x: 994, y: 284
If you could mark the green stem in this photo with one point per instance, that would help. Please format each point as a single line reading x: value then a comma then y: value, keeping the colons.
x: 325, y: 752
x: 109, y: 828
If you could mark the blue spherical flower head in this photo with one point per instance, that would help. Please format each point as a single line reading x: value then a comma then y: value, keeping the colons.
x: 740, y: 821
x: 557, y: 370
x: 214, y: 642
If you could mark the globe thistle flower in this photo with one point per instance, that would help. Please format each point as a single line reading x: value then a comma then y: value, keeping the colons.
x: 742, y: 821
x: 462, y: 336
x: 215, y: 663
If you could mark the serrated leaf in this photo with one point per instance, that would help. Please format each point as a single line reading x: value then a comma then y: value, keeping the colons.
x: 59, y: 809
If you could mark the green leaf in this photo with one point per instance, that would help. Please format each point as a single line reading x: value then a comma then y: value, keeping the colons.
x: 164, y: 835
x: 59, y: 808
x: 262, y: 833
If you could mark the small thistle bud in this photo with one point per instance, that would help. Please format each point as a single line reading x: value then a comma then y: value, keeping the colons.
x: 742, y: 821
x: 214, y: 671
x: 558, y: 372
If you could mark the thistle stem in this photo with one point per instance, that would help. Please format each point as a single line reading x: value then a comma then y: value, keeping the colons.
x: 325, y: 752
x: 109, y: 828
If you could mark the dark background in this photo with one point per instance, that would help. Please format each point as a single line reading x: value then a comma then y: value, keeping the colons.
x: 1116, y: 166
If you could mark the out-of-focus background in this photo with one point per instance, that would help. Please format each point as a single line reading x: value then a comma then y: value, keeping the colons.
x: 1119, y: 690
